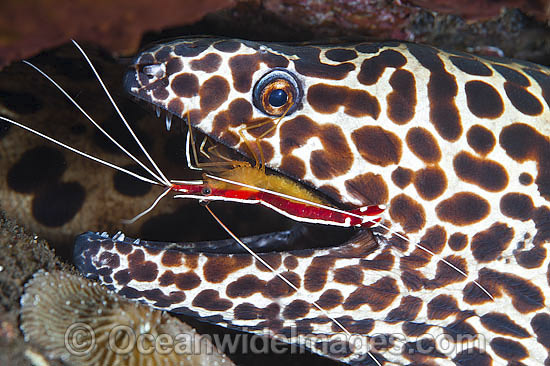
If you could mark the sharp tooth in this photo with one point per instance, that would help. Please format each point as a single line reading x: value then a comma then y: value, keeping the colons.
x: 168, y: 121
x: 157, y: 109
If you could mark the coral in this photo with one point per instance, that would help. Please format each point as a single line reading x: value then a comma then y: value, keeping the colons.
x: 82, y: 323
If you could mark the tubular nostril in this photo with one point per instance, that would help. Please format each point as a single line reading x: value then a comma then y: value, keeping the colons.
x: 157, y: 70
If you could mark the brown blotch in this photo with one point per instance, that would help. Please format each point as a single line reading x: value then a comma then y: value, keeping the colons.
x: 316, y: 274
x: 245, y: 286
x: 144, y: 272
x: 517, y: 206
x: 372, y: 68
x: 502, y: 324
x: 471, y: 66
x: 473, y: 357
x: 409, y: 213
x: 458, y: 241
x: 524, y: 101
x: 242, y: 69
x: 176, y: 107
x: 487, y: 245
x: 267, y: 150
x: 531, y: 258
x: 187, y: 281
x: 336, y: 157
x: 216, y: 269
x: 209, y: 63
x: 293, y: 166
x: 273, y: 259
x: 463, y: 208
x: 349, y: 275
x: 457, y: 330
x: 271, y: 311
x: 508, y: 349
x: 327, y: 99
x: 382, y: 262
x: 526, y: 297
x: 378, y: 296
x: 213, y: 93
x: 430, y: 182
x: 412, y: 279
x: 240, y: 111
x: 185, y: 85
x: 512, y: 75
x: 309, y: 64
x: 123, y: 248
x: 210, y: 300
x: 480, y: 139
x: 291, y: 262
x: 445, y: 274
x: 192, y: 261
x: 167, y: 278
x: 368, y: 188
x: 228, y: 46
x: 109, y: 260
x: 483, y: 100
x: 296, y: 309
x: 402, y: 177
x: 541, y: 326
x: 442, y: 90
x: 434, y: 239
x: 543, y: 79
x: 422, y: 143
x: 246, y: 311
x: 487, y: 174
x: 229, y: 138
x: 412, y: 329
x: 330, y: 299
x: 525, y: 179
x: 377, y: 146
x: 174, y: 65
x: 160, y: 93
x: 408, y: 310
x: 172, y: 258
x: 442, y: 306
x: 137, y: 257
x: 340, y: 54
x: 332, y: 161
x: 402, y: 100
x: 522, y: 142
x: 276, y: 288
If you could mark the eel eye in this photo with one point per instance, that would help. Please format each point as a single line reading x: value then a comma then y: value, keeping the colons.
x: 277, y: 92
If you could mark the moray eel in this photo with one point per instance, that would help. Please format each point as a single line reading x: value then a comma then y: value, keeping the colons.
x: 455, y: 145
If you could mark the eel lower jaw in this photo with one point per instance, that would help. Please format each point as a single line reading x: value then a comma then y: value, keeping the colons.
x: 299, y: 238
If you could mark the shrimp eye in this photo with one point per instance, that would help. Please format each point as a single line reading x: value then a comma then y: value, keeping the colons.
x: 277, y: 92
x: 206, y: 191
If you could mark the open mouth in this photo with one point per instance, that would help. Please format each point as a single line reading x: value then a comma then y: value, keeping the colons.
x: 147, y: 81
x: 261, y: 229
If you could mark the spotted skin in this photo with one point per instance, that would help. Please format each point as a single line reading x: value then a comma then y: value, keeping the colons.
x: 457, y: 146
x: 383, y: 123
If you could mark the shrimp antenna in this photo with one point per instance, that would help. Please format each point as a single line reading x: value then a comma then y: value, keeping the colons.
x: 164, y: 179
x: 75, y: 103
x: 57, y: 142
x: 283, y: 278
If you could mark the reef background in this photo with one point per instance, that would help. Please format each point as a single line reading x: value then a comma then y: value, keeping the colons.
x: 513, y: 28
